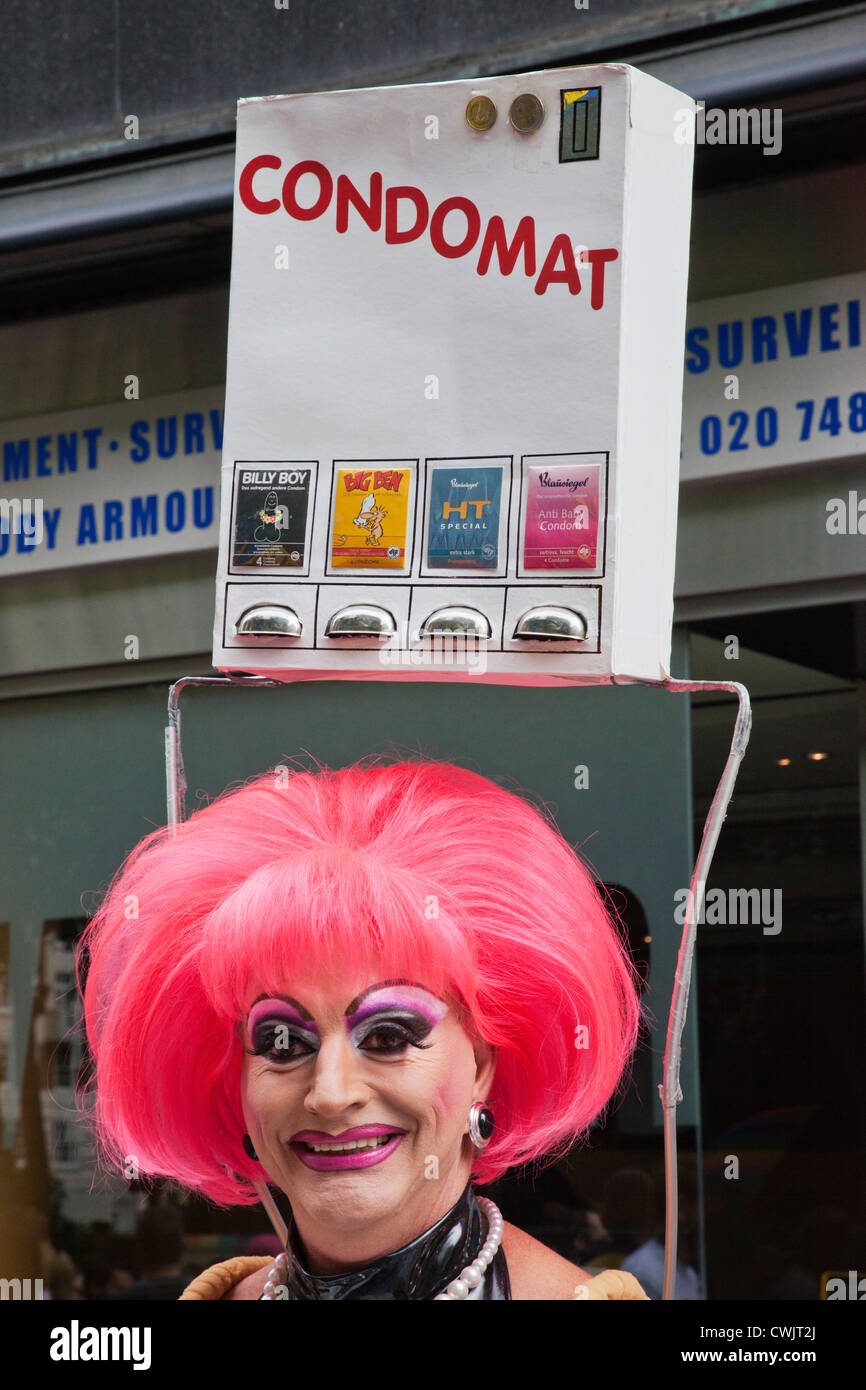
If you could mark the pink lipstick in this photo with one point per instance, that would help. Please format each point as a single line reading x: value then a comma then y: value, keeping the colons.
x: 362, y: 1147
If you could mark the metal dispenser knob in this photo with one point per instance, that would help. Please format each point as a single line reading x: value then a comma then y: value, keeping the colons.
x: 548, y: 623
x: 268, y: 620
x: 456, y: 618
x: 361, y: 620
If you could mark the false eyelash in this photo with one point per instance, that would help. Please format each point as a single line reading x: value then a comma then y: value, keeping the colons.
x: 400, y: 1033
x: 267, y: 1045
x: 263, y: 1052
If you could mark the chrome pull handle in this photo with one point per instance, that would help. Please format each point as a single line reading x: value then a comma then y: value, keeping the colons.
x: 361, y: 620
x: 456, y: 619
x: 268, y: 620
x: 549, y: 623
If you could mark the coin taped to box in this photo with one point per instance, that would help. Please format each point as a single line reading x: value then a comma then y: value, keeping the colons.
x: 454, y: 392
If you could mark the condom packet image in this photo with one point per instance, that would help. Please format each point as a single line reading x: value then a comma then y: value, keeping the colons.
x: 370, y: 516
x: 562, y: 516
x: 271, y: 515
x: 464, y: 517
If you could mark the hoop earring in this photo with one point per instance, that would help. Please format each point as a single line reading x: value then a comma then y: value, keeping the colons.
x: 249, y: 1150
x: 481, y: 1125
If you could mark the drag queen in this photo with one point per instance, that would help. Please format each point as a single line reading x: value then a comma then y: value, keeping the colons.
x: 371, y: 989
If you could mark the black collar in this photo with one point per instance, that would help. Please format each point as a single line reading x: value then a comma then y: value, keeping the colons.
x: 420, y: 1270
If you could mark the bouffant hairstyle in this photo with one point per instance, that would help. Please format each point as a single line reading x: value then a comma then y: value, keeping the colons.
x: 417, y: 869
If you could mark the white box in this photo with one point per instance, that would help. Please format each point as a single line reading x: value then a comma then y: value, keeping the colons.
x: 406, y: 287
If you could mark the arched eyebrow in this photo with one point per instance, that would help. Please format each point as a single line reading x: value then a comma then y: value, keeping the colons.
x: 350, y: 1010
x: 285, y: 999
x: 383, y: 984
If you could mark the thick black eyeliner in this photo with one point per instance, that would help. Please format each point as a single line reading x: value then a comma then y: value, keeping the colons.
x: 410, y: 1037
x: 265, y: 1045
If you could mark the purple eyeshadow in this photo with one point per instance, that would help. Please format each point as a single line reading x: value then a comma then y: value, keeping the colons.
x: 431, y: 1012
x: 284, y: 1013
x: 384, y: 998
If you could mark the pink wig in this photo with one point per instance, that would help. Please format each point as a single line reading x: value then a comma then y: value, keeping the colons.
x: 419, y: 869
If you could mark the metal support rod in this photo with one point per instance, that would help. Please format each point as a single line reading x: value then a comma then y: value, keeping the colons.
x: 670, y: 1091
x: 176, y: 788
x: 175, y: 776
x: 270, y: 1206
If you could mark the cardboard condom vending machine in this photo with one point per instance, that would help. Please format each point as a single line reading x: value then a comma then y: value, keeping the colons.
x: 454, y: 382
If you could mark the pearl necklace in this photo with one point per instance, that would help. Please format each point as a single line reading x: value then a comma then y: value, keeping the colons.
x: 471, y: 1276
x: 458, y: 1289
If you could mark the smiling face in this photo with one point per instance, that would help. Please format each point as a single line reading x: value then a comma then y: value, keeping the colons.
x: 356, y: 1095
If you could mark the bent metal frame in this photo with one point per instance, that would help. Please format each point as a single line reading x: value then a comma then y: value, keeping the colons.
x: 669, y: 1090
